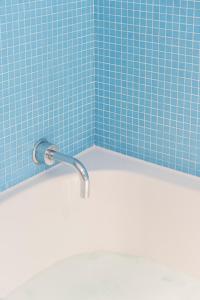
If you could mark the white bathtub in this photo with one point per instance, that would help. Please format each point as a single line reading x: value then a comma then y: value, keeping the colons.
x: 135, y: 208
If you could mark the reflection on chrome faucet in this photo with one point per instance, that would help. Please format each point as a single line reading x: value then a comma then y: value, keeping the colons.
x: 47, y: 153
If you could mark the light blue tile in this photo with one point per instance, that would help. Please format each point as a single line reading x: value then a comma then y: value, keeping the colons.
x: 162, y: 71
x: 47, y: 81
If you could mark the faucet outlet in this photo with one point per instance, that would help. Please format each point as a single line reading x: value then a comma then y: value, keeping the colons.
x: 47, y: 153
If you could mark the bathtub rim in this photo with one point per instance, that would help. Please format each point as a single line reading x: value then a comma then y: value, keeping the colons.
x: 97, y: 159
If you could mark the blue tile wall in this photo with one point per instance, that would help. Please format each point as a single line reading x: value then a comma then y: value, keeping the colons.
x: 46, y: 80
x: 147, y: 69
x: 121, y: 74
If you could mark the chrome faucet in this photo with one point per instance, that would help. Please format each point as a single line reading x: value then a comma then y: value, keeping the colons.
x: 47, y: 153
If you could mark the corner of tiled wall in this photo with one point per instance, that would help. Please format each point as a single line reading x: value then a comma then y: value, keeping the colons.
x: 132, y: 65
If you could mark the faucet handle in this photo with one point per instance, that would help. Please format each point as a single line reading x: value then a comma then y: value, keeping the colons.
x: 42, y: 152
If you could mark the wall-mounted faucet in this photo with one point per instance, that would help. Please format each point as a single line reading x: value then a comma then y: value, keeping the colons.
x: 47, y: 153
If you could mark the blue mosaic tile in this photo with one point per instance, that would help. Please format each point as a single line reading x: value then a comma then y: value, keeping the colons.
x: 46, y: 81
x: 147, y: 73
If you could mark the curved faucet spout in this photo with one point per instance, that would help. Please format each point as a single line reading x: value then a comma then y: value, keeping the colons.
x: 80, y: 168
x: 47, y: 153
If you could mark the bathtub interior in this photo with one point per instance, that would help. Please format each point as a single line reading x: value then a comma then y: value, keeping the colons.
x: 134, y: 208
x: 108, y: 276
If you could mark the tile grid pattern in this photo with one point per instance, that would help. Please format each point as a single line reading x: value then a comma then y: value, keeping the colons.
x: 46, y: 81
x: 147, y: 68
x: 146, y: 81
